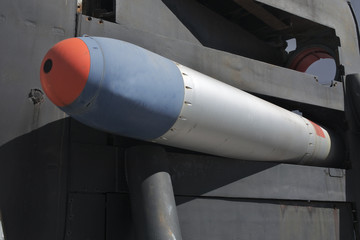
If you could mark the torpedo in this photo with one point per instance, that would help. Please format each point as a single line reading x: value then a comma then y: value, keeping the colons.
x: 126, y: 90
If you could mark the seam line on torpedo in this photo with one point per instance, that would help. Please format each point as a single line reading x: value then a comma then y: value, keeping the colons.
x: 92, y: 99
x: 102, y: 74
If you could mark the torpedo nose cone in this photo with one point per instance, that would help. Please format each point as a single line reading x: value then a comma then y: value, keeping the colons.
x: 65, y: 70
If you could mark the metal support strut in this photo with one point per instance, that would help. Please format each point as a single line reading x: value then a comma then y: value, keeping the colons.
x: 151, y: 193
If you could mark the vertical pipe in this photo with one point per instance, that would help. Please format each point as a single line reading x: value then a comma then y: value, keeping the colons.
x: 352, y: 113
x: 151, y: 193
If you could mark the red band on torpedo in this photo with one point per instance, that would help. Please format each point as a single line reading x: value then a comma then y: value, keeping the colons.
x: 318, y: 130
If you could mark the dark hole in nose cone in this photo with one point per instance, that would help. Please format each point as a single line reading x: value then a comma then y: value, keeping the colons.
x: 47, y: 66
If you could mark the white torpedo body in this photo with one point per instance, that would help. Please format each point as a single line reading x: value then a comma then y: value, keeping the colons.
x: 126, y: 90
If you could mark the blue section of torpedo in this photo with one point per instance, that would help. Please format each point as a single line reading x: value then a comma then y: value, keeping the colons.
x: 130, y: 91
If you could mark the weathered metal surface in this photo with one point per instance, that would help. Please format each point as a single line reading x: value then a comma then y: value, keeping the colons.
x: 151, y: 193
x: 220, y: 177
x: 335, y: 14
x: 262, y: 14
x: 235, y: 219
x: 194, y: 175
x: 119, y: 224
x: 244, y: 73
x: 353, y: 96
x: 85, y: 216
x: 28, y: 30
x: 136, y: 14
x: 82, y: 134
x: 208, y: 27
x: 97, y: 162
x: 33, y: 183
x: 353, y: 139
x: 94, y: 168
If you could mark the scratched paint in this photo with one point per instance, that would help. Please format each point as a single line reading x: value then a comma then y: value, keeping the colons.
x: 231, y: 219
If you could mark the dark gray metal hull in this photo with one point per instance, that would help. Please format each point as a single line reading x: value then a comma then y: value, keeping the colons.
x: 62, y: 180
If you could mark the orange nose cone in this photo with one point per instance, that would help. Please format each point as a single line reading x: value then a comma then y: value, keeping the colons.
x: 65, y: 70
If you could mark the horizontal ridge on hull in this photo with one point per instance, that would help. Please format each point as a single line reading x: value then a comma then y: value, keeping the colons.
x: 133, y: 92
